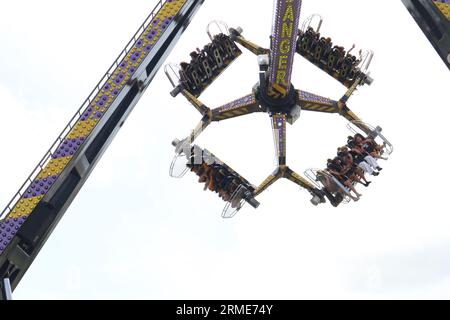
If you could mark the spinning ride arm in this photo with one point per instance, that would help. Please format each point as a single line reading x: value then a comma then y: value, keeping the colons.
x: 204, y: 110
x: 274, y: 177
x: 347, y: 113
x: 283, y: 171
x: 36, y: 209
x: 239, y: 107
x: 352, y: 117
x: 287, y: 173
x: 313, y: 102
x: 237, y: 37
x: 302, y: 182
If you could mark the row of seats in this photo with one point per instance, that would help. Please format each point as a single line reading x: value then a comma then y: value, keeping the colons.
x: 218, y: 178
x: 207, y: 64
x: 331, y: 57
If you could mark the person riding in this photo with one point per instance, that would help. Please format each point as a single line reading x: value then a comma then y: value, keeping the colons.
x: 353, y: 171
x: 363, y: 147
x: 356, y: 165
x: 340, y: 172
x: 217, y: 178
x: 360, y: 157
x: 370, y: 146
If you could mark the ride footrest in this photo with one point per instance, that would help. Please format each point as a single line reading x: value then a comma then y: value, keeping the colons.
x: 333, y: 59
x: 206, y: 65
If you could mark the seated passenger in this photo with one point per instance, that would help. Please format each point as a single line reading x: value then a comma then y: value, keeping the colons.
x: 227, y: 187
x: 223, y: 189
x: 219, y: 175
x: 348, y: 52
x: 338, y: 170
x: 358, y: 164
x: 215, y: 62
x: 371, y: 148
x: 371, y: 161
x: 223, y: 182
x: 189, y: 77
x: 193, y: 167
x: 318, y: 49
x: 360, y: 158
x: 201, y: 171
x: 309, y: 40
x: 184, y: 71
x: 340, y: 55
x: 354, y: 172
x: 217, y: 178
x: 351, y: 59
x: 313, y: 34
x: 194, y: 57
x: 203, y: 174
x: 210, y: 182
x: 328, y: 48
x: 184, y: 66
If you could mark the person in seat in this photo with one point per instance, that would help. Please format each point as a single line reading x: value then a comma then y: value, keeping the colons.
x: 360, y: 158
x: 368, y: 148
x: 341, y: 173
x: 358, y: 164
x: 353, y: 171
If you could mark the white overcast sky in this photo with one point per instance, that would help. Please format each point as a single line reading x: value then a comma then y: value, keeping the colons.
x: 133, y: 232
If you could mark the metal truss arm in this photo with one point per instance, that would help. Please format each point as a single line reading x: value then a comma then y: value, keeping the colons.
x: 298, y: 179
x: 313, y: 102
x: 204, y: 110
x: 318, y: 195
x: 350, y: 91
x: 247, y: 44
x: 202, y: 125
x: 239, y: 107
x: 285, y: 172
x: 352, y: 117
x: 274, y: 177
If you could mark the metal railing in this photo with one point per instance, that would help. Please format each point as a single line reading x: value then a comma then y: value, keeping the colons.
x: 80, y: 111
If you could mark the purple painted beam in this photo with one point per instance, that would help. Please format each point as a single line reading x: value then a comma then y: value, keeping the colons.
x: 286, y: 19
x: 279, y: 133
